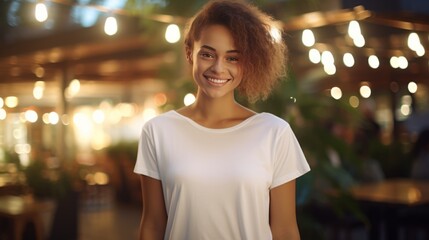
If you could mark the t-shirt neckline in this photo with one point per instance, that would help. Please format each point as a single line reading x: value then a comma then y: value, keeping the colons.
x: 218, y: 130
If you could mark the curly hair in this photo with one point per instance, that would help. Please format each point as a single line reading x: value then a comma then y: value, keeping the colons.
x: 263, y: 56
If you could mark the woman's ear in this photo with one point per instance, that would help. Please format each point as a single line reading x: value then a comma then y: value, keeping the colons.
x: 188, y: 53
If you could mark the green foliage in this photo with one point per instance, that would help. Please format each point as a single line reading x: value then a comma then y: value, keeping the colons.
x: 123, y: 150
x: 47, y: 183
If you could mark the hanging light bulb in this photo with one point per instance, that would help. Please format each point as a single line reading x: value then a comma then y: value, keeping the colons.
x: 41, y: 12
x: 420, y: 51
x: 348, y: 60
x: 413, y: 41
x: 111, y: 26
x: 373, y: 61
x: 402, y: 62
x: 394, y: 62
x: 308, y: 38
x: 327, y: 58
x: 336, y: 93
x: 365, y: 91
x: 354, y: 29
x: 172, y: 33
x: 314, y: 55
x: 39, y: 88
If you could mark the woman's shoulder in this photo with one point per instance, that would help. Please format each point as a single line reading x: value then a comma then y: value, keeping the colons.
x: 273, y: 120
x: 163, y: 118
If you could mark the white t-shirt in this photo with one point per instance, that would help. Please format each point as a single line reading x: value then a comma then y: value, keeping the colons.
x: 216, y: 182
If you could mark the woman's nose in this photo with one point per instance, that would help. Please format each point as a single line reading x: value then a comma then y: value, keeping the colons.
x: 218, y: 65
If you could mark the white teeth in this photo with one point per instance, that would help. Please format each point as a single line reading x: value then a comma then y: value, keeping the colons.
x: 219, y: 81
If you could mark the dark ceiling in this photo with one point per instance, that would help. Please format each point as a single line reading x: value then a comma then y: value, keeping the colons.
x: 137, y: 53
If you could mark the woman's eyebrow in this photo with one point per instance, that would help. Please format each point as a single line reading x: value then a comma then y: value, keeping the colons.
x: 214, y: 50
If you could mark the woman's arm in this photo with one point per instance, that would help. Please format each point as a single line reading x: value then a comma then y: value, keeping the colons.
x: 154, y: 216
x: 283, y: 213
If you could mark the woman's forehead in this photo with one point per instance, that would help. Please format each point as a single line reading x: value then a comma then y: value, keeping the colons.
x: 218, y: 38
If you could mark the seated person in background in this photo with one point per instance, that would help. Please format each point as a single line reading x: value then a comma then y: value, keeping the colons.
x: 420, y: 156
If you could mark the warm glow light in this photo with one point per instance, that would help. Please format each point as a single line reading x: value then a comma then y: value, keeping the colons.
x: 11, y: 101
x: 126, y: 109
x: 1, y: 102
x: 402, y: 62
x: 412, y: 87
x: 73, y: 88
x: 53, y: 118
x: 405, y: 109
x: 336, y: 93
x: 420, y: 51
x: 111, y: 26
x: 101, y: 178
x: 149, y: 113
x: 348, y: 60
x: 189, y: 99
x: 373, y: 61
x: 365, y: 91
x: 39, y: 88
x: 354, y: 101
x: 359, y: 41
x: 354, y: 29
x: 308, y: 38
x: 413, y: 41
x: 327, y: 58
x: 31, y: 116
x: 394, y: 62
x: 314, y: 56
x: 160, y: 99
x: 3, y: 114
x: 65, y: 119
x: 98, y: 116
x: 172, y: 33
x: 39, y: 71
x: 330, y: 69
x: 45, y: 118
x: 41, y: 12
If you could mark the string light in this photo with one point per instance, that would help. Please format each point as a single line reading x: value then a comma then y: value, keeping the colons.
x: 172, y: 33
x: 412, y: 87
x: 314, y: 56
x: 11, y: 101
x: 336, y: 93
x: 394, y: 62
x: 189, y: 99
x: 110, y: 26
x: 41, y: 12
x: 365, y: 91
x: 39, y: 88
x: 415, y: 44
x: 373, y: 61
x: 308, y: 38
x: 348, y: 60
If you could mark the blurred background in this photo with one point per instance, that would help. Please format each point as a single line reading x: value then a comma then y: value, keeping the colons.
x: 79, y: 78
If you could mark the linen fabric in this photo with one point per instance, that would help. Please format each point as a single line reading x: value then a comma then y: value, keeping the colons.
x: 216, y: 182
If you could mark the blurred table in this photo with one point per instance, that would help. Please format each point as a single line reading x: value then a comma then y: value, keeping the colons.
x: 21, y: 210
x: 386, y: 198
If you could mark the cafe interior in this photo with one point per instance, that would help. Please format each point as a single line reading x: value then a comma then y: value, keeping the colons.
x: 79, y: 78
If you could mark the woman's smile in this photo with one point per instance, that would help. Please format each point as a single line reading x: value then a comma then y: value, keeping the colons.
x: 218, y: 82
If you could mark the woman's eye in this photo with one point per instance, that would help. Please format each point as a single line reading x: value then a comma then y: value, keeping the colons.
x: 206, y: 55
x: 232, y: 59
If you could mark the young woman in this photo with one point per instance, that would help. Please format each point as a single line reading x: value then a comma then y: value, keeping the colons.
x: 215, y: 169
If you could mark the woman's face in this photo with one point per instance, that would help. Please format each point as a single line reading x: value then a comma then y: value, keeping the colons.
x: 216, y: 63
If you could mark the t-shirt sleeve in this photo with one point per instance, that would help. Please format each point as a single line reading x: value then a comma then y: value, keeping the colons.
x: 146, y: 163
x: 289, y: 160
